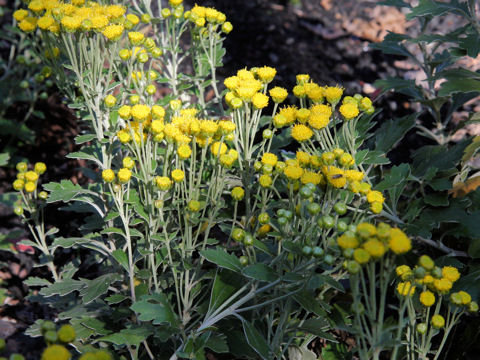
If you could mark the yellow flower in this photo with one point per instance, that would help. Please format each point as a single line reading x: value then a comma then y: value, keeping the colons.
x: 269, y: 158
x: 335, y: 176
x: 260, y: 100
x: 140, y: 112
x: 314, y: 92
x: 128, y: 162
x: 20, y: 14
x: 178, y: 175
x: 399, y: 242
x: 184, y: 151
x: 349, y: 111
x: 465, y: 297
x: 124, y: 175
x: 123, y: 136
x: 438, y: 321
x: 278, y: 94
x: 114, y: 11
x: 299, y: 91
x: 375, y: 248
x: 226, y: 127
x: 218, y: 148
x: 266, y: 74
x: 227, y: 160
x: 451, y: 273
x: 402, y: 269
x: 376, y: 207
x: 66, y: 333
x: 361, y: 256
x: 333, y: 94
x: 136, y: 38
x: 99, y: 22
x: 375, y: 196
x: 301, y: 132
x: 366, y: 230
x: 157, y: 126
x: 427, y: 298
x: 347, y: 242
x: 244, y: 74
x: 442, y: 285
x: 36, y: 6
x: 303, y: 158
x: 405, y: 289
x: 30, y: 186
x: 318, y: 121
x: 18, y: 184
x: 28, y: 24
x: 354, y: 175
x: 279, y: 121
x: 113, y: 32
x: 31, y: 176
x: 56, y: 352
x: 238, y: 193
x: 231, y: 83
x: 133, y: 19
x: 302, y: 115
x: 293, y: 172
x: 45, y: 22
x: 310, y: 177
x: 163, y: 182
x: 208, y: 128
x: 265, y: 181
x: 158, y: 112
x: 71, y: 23
x: 40, y: 168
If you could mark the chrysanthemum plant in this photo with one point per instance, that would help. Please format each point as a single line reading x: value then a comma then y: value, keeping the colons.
x: 204, y: 235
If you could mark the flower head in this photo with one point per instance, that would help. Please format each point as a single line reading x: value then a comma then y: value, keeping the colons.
x: 301, y: 133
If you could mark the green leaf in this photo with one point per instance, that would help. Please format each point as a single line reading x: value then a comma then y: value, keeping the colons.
x: 375, y: 157
x: 260, y: 271
x: 256, y: 340
x: 97, y: 287
x: 4, y: 157
x: 222, y: 259
x: 317, y: 327
x: 80, y: 139
x: 406, y: 87
x: 36, y: 281
x: 435, y: 8
x: 64, y: 191
x: 452, y: 86
x: 155, y: 308
x: 437, y: 199
x: 395, y: 182
x: 131, y: 337
x: 309, y: 303
x: 88, y: 153
x: 217, y: 344
x: 121, y: 257
x: 62, y: 288
x: 115, y: 298
x: 226, y: 283
x: 392, y: 131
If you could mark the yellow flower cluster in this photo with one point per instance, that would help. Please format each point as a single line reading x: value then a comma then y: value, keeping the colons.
x: 248, y: 87
x: 306, y: 121
x: 123, y: 175
x: 27, y: 180
x: 370, y: 242
x: 78, y: 15
x: 435, y: 280
x: 201, y: 16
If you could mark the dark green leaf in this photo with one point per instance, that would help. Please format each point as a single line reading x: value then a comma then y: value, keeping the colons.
x: 256, y: 340
x: 392, y: 131
x: 222, y: 259
x: 155, y: 308
x: 260, y: 271
x: 97, y: 287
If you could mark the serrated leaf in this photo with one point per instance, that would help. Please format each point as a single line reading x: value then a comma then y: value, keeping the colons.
x: 81, y: 139
x: 436, y: 8
x: 36, y: 281
x: 317, y: 327
x: 309, y: 303
x: 97, y: 287
x: 155, y: 308
x: 64, y: 191
x: 131, y: 337
x: 392, y: 131
x: 62, y: 288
